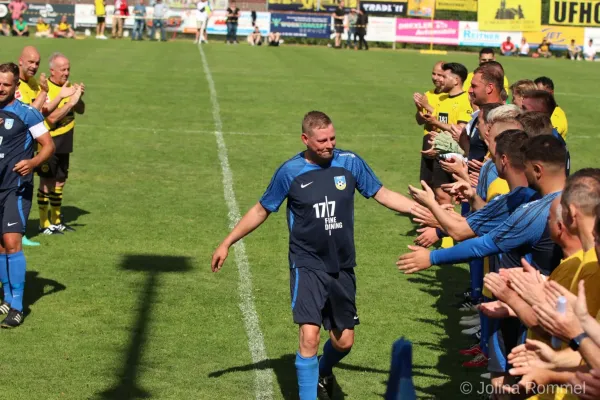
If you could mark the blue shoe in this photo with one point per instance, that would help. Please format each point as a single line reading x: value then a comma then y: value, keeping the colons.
x: 26, y: 242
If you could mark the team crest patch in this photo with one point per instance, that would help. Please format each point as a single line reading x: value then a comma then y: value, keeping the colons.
x: 340, y: 182
x: 8, y: 123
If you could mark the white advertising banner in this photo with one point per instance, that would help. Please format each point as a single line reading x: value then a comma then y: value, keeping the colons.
x: 381, y: 29
x: 217, y: 23
x: 470, y: 35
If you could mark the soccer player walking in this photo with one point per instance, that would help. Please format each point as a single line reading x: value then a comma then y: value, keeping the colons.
x: 19, y: 126
x: 319, y: 184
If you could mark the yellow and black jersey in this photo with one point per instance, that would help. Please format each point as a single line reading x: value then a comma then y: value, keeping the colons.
x: 61, y: 131
x: 27, y: 90
x: 559, y: 121
x: 434, y: 99
x: 455, y: 109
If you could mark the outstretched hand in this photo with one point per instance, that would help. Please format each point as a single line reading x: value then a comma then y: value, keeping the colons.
x: 415, y: 261
x: 219, y: 257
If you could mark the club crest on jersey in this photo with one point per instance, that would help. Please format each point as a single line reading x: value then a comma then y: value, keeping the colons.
x: 8, y: 123
x: 340, y: 182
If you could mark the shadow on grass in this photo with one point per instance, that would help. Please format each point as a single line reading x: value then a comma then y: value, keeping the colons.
x: 153, y: 267
x: 448, y: 281
x: 70, y: 215
x: 37, y: 287
x: 285, y: 371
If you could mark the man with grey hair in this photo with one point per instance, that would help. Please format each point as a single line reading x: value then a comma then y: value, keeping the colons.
x: 61, y: 124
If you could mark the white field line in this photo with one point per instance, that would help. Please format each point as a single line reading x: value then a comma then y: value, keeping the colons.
x: 263, y: 379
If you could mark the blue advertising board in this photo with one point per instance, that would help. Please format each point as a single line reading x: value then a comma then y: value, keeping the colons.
x: 302, y: 25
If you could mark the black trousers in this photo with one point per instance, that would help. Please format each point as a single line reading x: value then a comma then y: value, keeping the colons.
x: 361, y: 32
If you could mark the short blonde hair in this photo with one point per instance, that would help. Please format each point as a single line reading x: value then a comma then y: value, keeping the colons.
x: 315, y: 120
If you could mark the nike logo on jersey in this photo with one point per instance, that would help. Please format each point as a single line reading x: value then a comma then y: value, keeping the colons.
x: 302, y: 185
x: 14, y: 223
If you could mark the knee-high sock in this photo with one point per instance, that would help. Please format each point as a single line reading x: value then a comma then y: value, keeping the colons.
x: 4, y: 278
x: 55, y: 204
x: 476, y: 275
x: 307, y: 370
x: 16, y: 274
x: 331, y: 356
x: 43, y: 199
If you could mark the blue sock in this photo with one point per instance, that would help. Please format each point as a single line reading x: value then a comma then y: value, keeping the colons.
x: 476, y: 272
x: 330, y: 358
x: 16, y: 273
x: 307, y: 370
x: 485, y: 331
x: 4, y: 278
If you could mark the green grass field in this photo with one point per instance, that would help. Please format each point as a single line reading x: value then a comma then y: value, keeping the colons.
x: 127, y: 308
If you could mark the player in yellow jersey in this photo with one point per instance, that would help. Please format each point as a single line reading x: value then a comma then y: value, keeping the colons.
x: 61, y: 124
x: 34, y: 93
x: 558, y: 118
x: 101, y: 16
x: 485, y: 55
x: 427, y: 104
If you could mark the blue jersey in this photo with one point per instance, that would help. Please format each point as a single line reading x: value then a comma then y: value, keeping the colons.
x: 562, y: 140
x: 21, y: 125
x: 524, y: 234
x: 487, y: 175
x: 499, y: 209
x: 320, y: 208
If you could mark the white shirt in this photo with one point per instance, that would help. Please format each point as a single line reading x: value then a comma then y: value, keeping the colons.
x: 202, y: 10
x: 589, y: 51
x: 524, y: 48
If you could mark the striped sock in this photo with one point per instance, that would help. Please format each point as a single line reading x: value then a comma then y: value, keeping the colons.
x: 43, y: 206
x: 55, y: 205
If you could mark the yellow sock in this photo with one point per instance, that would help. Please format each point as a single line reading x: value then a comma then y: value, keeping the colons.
x: 447, y: 242
x: 55, y: 204
x: 43, y: 206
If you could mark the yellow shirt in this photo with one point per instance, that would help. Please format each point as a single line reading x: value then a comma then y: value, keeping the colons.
x: 42, y: 27
x: 559, y: 121
x: 61, y: 131
x: 455, y: 109
x: 63, y: 27
x: 467, y: 83
x: 27, y: 91
x: 434, y: 100
x: 496, y: 188
x: 589, y: 271
x: 100, y: 11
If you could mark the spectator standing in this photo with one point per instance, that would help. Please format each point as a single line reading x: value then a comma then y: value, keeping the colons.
x: 20, y: 27
x: 139, y: 12
x: 100, y: 9
x: 17, y: 8
x: 524, y: 48
x: 120, y: 12
x: 160, y: 13
x: 233, y: 14
x: 589, y: 51
x: 338, y: 23
x: 361, y: 28
x: 352, y: 20
x: 202, y: 11
x: 507, y: 48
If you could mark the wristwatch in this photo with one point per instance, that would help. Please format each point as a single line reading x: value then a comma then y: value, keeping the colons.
x: 576, y: 341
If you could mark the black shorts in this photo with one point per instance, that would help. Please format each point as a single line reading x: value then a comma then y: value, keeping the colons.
x: 439, y: 175
x: 101, y: 19
x: 426, y: 163
x: 274, y: 43
x: 505, y: 335
x: 15, y: 205
x: 57, y: 167
x: 339, y: 28
x: 321, y: 298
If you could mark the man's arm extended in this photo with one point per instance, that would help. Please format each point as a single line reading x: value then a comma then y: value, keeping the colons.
x: 394, y: 201
x: 468, y: 250
x: 249, y: 222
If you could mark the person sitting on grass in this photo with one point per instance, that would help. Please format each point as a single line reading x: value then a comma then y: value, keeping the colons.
x: 20, y: 27
x: 42, y: 29
x: 63, y: 29
x: 255, y: 38
x: 274, y: 39
x: 574, y: 51
x: 544, y: 49
x: 4, y: 28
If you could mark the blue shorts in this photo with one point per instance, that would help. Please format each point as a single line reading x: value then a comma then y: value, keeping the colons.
x: 15, y: 204
x: 321, y: 298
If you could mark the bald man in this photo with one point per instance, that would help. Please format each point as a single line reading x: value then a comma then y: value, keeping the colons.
x: 61, y: 124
